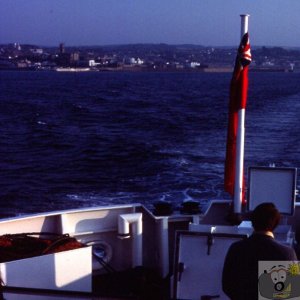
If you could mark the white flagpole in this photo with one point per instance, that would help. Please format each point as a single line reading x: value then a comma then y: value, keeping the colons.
x: 240, y: 141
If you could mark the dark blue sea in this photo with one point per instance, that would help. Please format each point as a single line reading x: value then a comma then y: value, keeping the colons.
x: 71, y: 140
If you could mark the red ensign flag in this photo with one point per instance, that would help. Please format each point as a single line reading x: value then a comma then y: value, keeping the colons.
x: 238, y: 99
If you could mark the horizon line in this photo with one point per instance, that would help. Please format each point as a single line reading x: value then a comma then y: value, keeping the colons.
x: 140, y: 43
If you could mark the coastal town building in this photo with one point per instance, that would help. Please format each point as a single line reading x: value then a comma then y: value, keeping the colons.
x: 141, y: 57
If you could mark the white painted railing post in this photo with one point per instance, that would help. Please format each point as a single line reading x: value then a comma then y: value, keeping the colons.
x: 135, y: 220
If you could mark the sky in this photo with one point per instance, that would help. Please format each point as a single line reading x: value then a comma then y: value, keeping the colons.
x: 111, y: 22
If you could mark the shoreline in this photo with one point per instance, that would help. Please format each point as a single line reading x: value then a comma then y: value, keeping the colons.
x: 149, y: 70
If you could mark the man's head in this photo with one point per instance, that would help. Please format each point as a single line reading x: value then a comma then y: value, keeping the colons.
x: 265, y: 217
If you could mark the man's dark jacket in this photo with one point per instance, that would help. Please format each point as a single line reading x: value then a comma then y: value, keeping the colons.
x: 240, y: 272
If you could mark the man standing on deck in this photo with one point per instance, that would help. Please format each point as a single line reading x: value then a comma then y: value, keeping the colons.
x: 240, y: 272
